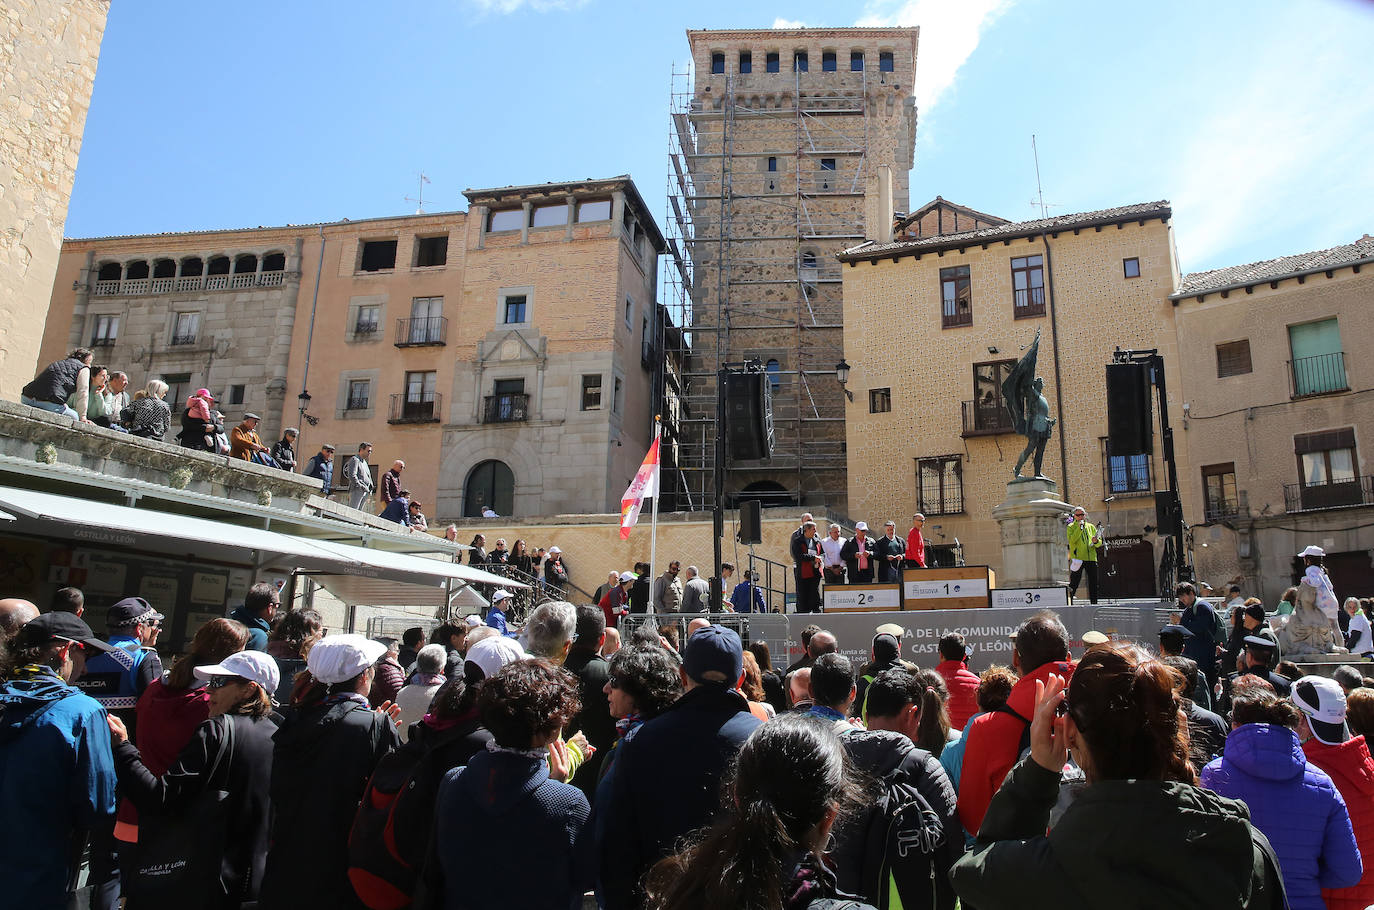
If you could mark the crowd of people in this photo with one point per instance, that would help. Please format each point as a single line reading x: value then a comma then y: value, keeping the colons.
x: 275, y: 766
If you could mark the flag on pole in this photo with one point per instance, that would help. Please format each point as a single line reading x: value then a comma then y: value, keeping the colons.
x: 645, y: 485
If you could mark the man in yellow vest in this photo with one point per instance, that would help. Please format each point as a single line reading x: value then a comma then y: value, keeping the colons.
x: 1084, y: 542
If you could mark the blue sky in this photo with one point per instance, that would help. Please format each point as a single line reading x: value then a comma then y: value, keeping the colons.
x: 1254, y: 118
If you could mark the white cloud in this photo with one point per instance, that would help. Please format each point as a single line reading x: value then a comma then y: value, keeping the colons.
x: 539, y: 6
x: 950, y: 32
x: 789, y: 23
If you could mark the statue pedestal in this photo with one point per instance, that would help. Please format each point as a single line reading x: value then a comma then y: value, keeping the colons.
x: 1034, y: 549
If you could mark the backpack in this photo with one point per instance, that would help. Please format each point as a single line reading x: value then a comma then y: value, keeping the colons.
x: 901, y: 875
x: 390, y: 837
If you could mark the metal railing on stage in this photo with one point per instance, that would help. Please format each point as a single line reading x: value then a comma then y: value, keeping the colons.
x: 770, y: 628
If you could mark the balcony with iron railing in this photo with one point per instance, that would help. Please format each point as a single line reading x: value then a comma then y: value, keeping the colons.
x: 107, y: 342
x: 1323, y: 374
x: 429, y: 331
x: 1221, y: 509
x: 361, y: 403
x: 416, y: 407
x: 986, y: 419
x: 955, y: 313
x: 1028, y: 302
x: 184, y: 339
x: 1340, y: 494
x: 170, y: 285
x: 508, y: 408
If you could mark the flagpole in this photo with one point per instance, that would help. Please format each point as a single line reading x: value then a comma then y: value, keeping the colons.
x: 658, y: 482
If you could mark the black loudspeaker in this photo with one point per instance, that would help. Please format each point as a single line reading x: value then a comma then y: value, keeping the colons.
x: 1166, y: 513
x: 750, y: 522
x: 1130, y: 422
x: 748, y: 416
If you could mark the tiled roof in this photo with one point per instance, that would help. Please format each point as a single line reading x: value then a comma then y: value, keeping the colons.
x: 1234, y: 276
x: 1141, y: 210
x: 942, y: 201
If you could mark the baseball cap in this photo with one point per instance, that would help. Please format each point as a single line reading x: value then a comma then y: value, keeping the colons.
x: 886, y: 647
x: 130, y: 612
x: 554, y: 550
x: 1312, y: 551
x: 339, y: 658
x: 861, y: 526
x: 491, y: 654
x: 205, y: 393
x: 1323, y: 701
x: 627, y: 576
x: 1176, y: 629
x: 66, y: 626
x: 500, y: 594
x: 714, y: 655
x: 254, y: 666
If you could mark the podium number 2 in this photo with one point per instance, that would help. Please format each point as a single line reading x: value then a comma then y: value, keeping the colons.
x: 862, y: 598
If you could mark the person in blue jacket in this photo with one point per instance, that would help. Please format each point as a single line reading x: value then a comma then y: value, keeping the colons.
x: 496, y: 614
x: 57, y: 776
x: 748, y: 596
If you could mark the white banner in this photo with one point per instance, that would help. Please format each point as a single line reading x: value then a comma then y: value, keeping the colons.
x: 950, y: 587
x: 844, y: 597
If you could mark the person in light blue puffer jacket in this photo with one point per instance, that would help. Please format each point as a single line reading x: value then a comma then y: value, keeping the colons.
x: 1292, y: 801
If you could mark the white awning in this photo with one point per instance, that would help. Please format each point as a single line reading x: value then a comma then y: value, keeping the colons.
x: 6, y: 516
x: 378, y: 592
x: 397, y: 566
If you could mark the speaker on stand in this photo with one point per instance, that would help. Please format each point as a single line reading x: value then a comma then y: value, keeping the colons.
x: 750, y: 522
x: 749, y: 416
x: 1130, y: 418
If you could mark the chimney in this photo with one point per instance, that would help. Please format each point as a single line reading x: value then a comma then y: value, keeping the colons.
x: 878, y: 211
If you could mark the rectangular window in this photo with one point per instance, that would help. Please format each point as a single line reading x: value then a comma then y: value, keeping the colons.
x: 359, y: 395
x: 549, y: 215
x: 856, y: 61
x: 1131, y: 267
x: 1327, y: 470
x: 431, y: 251
x: 426, y: 320
x: 1318, y: 364
x: 617, y: 399
x: 827, y: 164
x: 772, y: 164
x: 940, y: 485
x: 378, y: 256
x: 185, y: 329
x: 956, y: 297
x: 594, y: 210
x: 1233, y: 358
x: 419, y: 402
x: 879, y: 401
x: 1027, y: 286
x: 987, y: 413
x: 236, y: 394
x: 514, y: 309
x: 746, y: 62
x: 885, y: 62
x: 369, y: 320
x: 178, y: 387
x: 773, y: 62
x: 828, y: 64
x: 717, y: 64
x: 591, y: 392
x: 506, y: 220
x: 629, y: 310
x: 800, y: 63
x: 1124, y: 474
x: 1219, y: 491
x: 105, y: 331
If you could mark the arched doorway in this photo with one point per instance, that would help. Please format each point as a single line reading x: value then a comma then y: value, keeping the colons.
x: 770, y: 494
x: 492, y: 484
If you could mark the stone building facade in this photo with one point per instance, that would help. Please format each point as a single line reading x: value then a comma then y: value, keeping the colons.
x: 508, y: 366
x: 1279, y: 419
x: 48, y: 55
x: 933, y: 325
x: 776, y: 143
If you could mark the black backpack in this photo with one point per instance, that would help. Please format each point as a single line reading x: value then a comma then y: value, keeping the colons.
x: 902, y: 874
x: 390, y: 837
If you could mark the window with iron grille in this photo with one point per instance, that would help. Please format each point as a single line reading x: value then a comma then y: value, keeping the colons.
x: 369, y: 319
x: 1233, y: 358
x: 359, y: 394
x: 940, y: 485
x: 1219, y: 490
x: 186, y: 327
x: 1125, y: 475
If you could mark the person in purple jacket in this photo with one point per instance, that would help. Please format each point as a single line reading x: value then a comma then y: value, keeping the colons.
x: 1292, y: 801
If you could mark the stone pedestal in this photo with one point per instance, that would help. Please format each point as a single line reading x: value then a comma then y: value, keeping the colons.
x: 1034, y: 549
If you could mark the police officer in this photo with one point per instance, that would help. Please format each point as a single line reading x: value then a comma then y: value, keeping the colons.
x: 116, y: 679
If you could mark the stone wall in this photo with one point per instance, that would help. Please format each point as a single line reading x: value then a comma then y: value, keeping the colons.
x: 48, y: 55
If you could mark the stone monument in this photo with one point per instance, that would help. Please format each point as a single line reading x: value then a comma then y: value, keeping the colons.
x: 1031, y: 519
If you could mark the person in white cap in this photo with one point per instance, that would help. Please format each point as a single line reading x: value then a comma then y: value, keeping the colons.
x: 496, y: 614
x: 230, y: 752
x: 1327, y: 743
x: 555, y: 573
x: 1314, y: 573
x: 327, y: 748
x: 859, y: 556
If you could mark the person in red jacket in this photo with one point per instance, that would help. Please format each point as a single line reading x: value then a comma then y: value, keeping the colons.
x: 995, y: 739
x: 1327, y: 743
x: 961, y: 682
x: 916, y: 544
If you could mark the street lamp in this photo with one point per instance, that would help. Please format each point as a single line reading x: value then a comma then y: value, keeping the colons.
x: 842, y: 374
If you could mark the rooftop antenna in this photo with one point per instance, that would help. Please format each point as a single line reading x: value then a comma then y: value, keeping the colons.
x: 419, y: 198
x: 1040, y: 202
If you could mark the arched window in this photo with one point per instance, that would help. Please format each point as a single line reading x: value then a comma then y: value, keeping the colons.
x: 769, y: 493
x: 164, y: 268
x: 219, y: 265
x: 274, y: 262
x: 192, y: 266
x: 109, y: 271
x: 492, y: 484
x: 247, y: 263
x: 774, y: 374
x: 136, y: 269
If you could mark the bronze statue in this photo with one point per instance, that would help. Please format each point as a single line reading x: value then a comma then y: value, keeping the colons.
x: 1030, y: 410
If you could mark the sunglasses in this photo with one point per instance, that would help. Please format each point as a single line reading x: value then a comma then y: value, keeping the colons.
x: 219, y: 682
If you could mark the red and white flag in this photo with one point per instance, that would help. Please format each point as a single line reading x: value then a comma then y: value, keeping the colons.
x: 644, y: 486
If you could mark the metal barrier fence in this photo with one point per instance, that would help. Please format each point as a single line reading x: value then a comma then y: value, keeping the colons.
x: 769, y: 628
